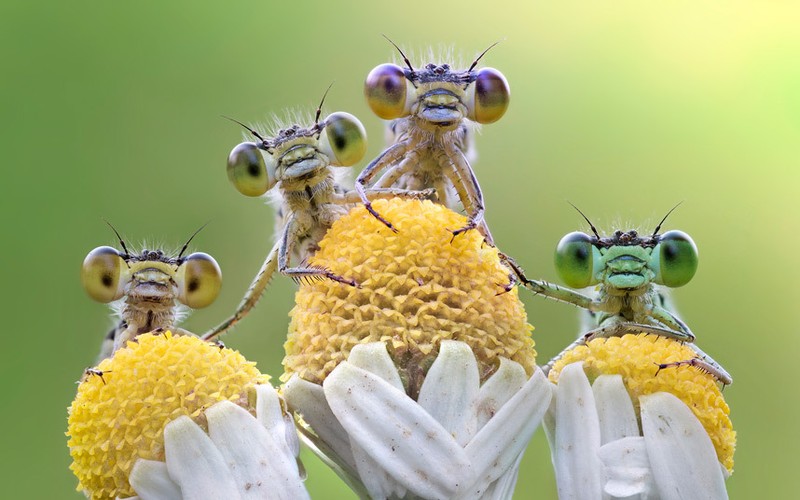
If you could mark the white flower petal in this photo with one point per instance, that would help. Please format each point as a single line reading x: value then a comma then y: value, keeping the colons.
x: 269, y: 413
x: 682, y: 457
x: 502, y: 440
x: 450, y: 390
x: 195, y: 463
x: 151, y: 480
x: 308, y: 399
x: 627, y: 468
x: 374, y: 358
x: 503, y: 488
x: 614, y: 409
x: 261, y: 465
x: 501, y: 386
x: 577, y: 437
x: 402, y: 437
x: 378, y: 482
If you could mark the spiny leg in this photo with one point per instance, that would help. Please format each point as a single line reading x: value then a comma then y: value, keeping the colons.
x: 618, y: 330
x: 665, y: 317
x: 394, y: 172
x: 251, y: 297
x: 561, y: 294
x: 286, y: 246
x: 451, y: 159
x: 707, y: 365
x: 374, y: 193
x: 385, y: 159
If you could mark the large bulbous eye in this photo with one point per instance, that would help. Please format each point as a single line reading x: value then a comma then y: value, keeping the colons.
x: 344, y: 139
x: 677, y: 259
x: 488, y: 96
x: 199, y: 280
x: 386, y: 90
x: 247, y: 170
x: 575, y: 260
x: 100, y: 274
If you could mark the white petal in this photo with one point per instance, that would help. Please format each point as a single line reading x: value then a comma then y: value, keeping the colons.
x: 261, y: 465
x: 374, y: 358
x: 627, y: 468
x: 195, y: 463
x: 270, y: 414
x: 681, y: 454
x: 450, y: 390
x: 402, y: 437
x: 503, y: 439
x: 378, y: 482
x: 501, y: 386
x: 577, y: 437
x: 614, y: 409
x: 150, y: 480
x: 308, y: 399
x: 503, y: 488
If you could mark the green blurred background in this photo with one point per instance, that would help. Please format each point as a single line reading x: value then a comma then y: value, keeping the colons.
x: 623, y: 108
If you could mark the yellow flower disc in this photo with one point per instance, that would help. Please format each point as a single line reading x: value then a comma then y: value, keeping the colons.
x: 116, y: 419
x: 635, y: 357
x: 417, y: 288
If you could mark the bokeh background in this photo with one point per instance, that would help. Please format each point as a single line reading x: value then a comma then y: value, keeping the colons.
x: 112, y: 110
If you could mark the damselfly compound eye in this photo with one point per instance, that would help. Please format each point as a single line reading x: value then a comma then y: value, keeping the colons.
x: 100, y: 274
x: 386, y: 89
x: 344, y: 140
x: 574, y: 260
x: 489, y: 96
x: 677, y: 259
x: 199, y: 280
x: 247, y: 170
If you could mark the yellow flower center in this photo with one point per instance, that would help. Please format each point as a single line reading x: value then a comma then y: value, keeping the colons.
x: 417, y: 288
x: 635, y: 358
x: 119, y: 418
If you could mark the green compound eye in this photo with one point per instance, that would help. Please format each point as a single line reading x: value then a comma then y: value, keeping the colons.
x: 247, y: 170
x: 199, y: 280
x: 344, y: 139
x: 575, y: 260
x: 677, y: 259
x: 100, y: 274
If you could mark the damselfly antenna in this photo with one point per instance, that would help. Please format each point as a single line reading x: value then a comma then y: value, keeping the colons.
x: 586, y: 219
x: 475, y: 62
x: 256, y: 134
x: 319, y: 108
x: 408, y: 63
x: 119, y: 238
x: 186, y: 245
x: 658, y: 227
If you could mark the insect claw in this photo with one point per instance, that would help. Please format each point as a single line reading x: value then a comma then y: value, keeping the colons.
x: 378, y: 216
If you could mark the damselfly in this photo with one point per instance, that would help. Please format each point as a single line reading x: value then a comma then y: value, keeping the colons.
x: 297, y: 165
x: 627, y: 269
x: 432, y: 109
x: 150, y: 288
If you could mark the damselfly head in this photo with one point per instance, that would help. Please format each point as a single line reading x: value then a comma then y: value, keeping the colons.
x: 296, y: 152
x: 436, y: 93
x: 151, y: 276
x: 625, y: 260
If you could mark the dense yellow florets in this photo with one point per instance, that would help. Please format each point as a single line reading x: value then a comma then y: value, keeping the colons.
x: 635, y: 357
x: 116, y: 419
x: 417, y: 288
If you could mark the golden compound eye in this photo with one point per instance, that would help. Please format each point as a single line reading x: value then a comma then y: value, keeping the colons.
x: 199, y: 280
x: 386, y: 90
x: 344, y: 139
x: 489, y: 96
x: 100, y: 274
x: 247, y: 170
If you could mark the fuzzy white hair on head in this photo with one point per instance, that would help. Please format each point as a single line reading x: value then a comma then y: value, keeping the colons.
x: 276, y: 122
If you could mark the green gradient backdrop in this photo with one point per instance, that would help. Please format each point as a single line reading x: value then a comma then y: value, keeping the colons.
x: 623, y: 108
